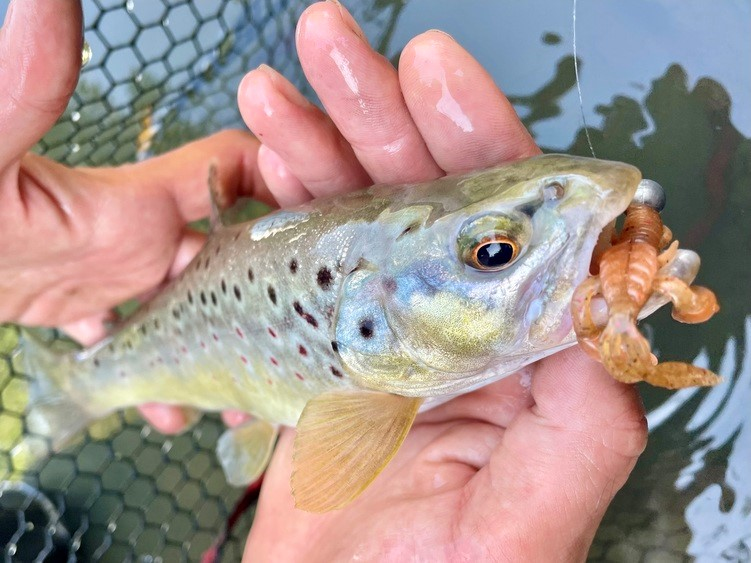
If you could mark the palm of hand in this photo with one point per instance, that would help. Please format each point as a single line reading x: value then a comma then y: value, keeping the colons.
x: 508, y: 472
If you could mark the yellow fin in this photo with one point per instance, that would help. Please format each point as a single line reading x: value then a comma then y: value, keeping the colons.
x: 344, y: 440
x: 244, y: 451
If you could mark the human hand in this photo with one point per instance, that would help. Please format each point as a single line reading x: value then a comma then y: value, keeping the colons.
x: 522, y: 469
x: 78, y: 241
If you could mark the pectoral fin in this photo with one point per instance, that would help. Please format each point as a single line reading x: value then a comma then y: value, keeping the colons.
x: 344, y: 440
x: 244, y: 451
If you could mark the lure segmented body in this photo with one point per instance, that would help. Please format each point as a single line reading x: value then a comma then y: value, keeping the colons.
x: 629, y: 274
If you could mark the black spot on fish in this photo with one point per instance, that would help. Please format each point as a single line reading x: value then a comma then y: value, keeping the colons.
x: 190, y: 297
x: 213, y: 299
x: 224, y: 287
x: 272, y: 294
x: 217, y: 249
x: 334, y: 345
x: 336, y: 372
x: 206, y: 263
x: 366, y: 328
x: 238, y: 295
x: 251, y: 277
x: 156, y: 324
x: 176, y: 313
x: 324, y: 278
x: 310, y: 319
x: 203, y: 298
x: 143, y: 330
x: 96, y: 362
x: 293, y: 266
x: 409, y: 229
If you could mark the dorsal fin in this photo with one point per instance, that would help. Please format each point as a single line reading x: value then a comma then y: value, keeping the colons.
x: 218, y: 197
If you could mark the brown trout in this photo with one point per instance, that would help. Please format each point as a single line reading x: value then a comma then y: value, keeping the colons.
x: 346, y: 316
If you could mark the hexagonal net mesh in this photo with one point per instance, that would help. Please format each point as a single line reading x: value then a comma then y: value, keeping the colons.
x: 161, y: 73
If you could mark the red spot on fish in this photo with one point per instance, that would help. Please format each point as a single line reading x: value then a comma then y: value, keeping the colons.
x: 269, y: 381
x: 214, y: 335
x: 244, y: 359
x: 302, y: 350
x: 184, y: 349
x: 271, y: 332
x: 273, y: 361
x: 299, y: 376
x: 239, y: 332
x: 203, y: 344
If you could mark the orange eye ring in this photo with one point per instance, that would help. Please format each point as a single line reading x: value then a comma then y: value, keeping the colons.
x: 492, y: 254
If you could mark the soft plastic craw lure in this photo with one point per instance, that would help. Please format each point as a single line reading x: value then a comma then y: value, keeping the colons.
x: 629, y: 274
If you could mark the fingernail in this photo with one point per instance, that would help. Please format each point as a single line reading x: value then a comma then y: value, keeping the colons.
x: 284, y: 87
x: 442, y: 33
x: 349, y: 21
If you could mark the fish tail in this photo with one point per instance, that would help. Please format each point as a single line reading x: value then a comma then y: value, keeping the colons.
x: 53, y: 411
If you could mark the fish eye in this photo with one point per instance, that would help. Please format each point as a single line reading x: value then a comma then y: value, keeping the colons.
x: 553, y: 190
x: 492, y: 253
x: 494, y: 241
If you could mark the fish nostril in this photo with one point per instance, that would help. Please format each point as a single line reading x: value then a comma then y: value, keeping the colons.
x: 366, y: 328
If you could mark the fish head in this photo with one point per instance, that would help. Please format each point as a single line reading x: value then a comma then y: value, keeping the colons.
x: 479, y: 279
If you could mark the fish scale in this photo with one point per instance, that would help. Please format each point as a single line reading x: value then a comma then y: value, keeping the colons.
x: 347, y: 315
x: 257, y: 322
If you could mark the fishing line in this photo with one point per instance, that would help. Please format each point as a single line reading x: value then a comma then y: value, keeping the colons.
x: 578, y: 83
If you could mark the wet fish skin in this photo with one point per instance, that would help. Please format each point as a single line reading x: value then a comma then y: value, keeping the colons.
x: 362, y: 292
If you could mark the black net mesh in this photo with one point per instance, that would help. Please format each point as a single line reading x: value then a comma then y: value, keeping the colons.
x: 161, y: 72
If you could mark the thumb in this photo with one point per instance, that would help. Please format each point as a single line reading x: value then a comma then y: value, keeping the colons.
x: 562, y: 461
x: 40, y: 59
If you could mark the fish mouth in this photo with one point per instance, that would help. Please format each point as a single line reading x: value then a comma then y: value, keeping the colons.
x: 618, y: 182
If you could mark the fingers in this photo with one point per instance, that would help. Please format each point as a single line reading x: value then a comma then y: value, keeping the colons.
x: 183, y: 173
x: 235, y: 418
x: 40, y: 58
x: 288, y: 190
x: 300, y: 134
x: 466, y: 121
x: 360, y: 91
x: 564, y: 459
x: 451, y: 116
x: 89, y: 330
x: 165, y: 418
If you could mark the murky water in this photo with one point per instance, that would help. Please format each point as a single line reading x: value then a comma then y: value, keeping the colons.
x: 665, y: 85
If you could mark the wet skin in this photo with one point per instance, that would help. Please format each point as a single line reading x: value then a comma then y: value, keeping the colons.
x: 523, y: 468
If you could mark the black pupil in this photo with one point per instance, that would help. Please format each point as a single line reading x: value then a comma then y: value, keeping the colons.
x: 495, y: 254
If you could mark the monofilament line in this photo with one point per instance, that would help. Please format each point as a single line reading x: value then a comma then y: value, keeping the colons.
x: 578, y: 84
